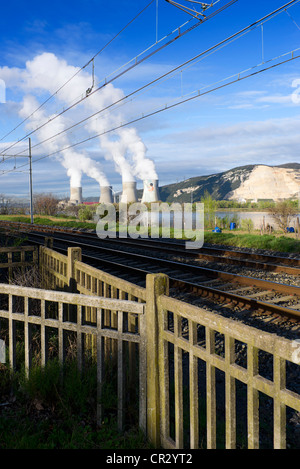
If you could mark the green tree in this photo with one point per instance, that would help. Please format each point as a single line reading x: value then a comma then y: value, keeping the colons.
x: 282, y: 212
x: 247, y: 224
x: 86, y: 213
x: 45, y: 204
x: 210, y: 206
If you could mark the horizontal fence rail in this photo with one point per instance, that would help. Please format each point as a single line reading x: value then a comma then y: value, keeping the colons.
x: 190, y: 351
x: 61, y: 271
x: 54, y: 268
x: 18, y: 257
x: 186, y: 330
x: 16, y: 307
x: 92, y: 280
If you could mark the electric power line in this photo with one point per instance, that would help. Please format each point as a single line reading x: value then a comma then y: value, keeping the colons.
x: 189, y: 62
x: 167, y: 107
x: 78, y: 71
x: 137, y: 62
x: 179, y: 102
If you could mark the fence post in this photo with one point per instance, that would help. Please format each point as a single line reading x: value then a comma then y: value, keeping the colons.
x: 74, y: 254
x: 49, y: 242
x: 156, y: 285
x: 41, y: 264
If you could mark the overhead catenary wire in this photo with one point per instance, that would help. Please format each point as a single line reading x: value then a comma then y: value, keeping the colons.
x: 78, y: 71
x: 79, y: 99
x: 178, y: 69
x: 135, y: 64
x: 293, y: 20
x: 180, y: 102
x: 196, y: 95
x: 189, y: 11
x: 192, y: 11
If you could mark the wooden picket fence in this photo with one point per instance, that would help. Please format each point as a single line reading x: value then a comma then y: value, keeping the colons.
x: 19, y: 257
x: 179, y: 363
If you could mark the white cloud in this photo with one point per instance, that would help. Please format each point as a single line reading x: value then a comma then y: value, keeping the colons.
x: 46, y: 74
x: 210, y: 149
x: 205, y: 148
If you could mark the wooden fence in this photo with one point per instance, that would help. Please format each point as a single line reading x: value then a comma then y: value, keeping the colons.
x: 203, y: 372
x: 60, y: 271
x: 187, y: 330
x: 16, y: 307
x: 17, y: 257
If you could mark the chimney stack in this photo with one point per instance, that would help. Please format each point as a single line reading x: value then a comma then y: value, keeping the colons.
x: 106, y: 195
x: 151, y: 191
x: 76, y: 195
x: 129, y: 192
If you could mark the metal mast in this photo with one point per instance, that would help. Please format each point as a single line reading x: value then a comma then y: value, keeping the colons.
x: 30, y: 183
x: 192, y: 11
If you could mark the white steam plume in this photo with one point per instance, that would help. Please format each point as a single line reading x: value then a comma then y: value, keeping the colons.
x: 75, y: 163
x: 124, y: 147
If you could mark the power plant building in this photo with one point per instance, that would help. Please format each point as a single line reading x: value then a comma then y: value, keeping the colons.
x: 106, y: 195
x: 129, y: 193
x: 151, y: 191
x: 76, y: 196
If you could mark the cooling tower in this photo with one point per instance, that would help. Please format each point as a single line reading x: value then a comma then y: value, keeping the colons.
x: 76, y: 195
x: 151, y: 191
x: 106, y: 195
x: 129, y: 192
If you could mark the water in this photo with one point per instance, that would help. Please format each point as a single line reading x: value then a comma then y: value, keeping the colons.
x: 256, y: 217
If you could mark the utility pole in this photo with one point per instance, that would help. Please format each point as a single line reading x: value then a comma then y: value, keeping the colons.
x: 30, y: 182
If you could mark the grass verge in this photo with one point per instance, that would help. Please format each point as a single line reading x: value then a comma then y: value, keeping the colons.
x: 45, y: 411
x: 256, y: 241
x: 273, y: 242
x: 50, y: 222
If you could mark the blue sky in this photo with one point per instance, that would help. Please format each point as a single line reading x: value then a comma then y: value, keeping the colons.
x: 254, y: 121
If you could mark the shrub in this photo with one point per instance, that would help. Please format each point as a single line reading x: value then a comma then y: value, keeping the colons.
x: 86, y: 213
x: 247, y: 224
x: 282, y: 212
x: 45, y: 204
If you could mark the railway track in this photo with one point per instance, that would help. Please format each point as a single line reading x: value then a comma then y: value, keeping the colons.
x: 264, y: 305
x: 271, y: 263
x: 215, y: 285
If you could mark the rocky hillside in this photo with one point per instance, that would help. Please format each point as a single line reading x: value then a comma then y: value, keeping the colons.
x: 252, y: 182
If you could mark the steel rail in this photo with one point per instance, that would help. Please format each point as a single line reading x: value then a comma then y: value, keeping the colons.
x: 271, y: 263
x: 153, y: 264
x: 255, y: 261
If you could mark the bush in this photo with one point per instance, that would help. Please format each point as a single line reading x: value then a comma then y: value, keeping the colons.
x: 247, y: 224
x: 86, y: 213
x: 283, y: 212
x: 45, y: 204
x: 224, y: 222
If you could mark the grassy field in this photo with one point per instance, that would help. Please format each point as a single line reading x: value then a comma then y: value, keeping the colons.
x: 50, y: 221
x: 46, y: 412
x: 275, y: 242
